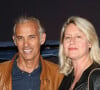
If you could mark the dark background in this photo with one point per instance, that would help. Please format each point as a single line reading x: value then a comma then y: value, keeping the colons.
x: 52, y: 14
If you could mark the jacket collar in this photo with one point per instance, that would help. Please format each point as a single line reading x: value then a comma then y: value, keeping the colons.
x: 42, y: 76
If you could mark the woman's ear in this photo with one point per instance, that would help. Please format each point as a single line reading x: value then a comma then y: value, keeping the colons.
x: 43, y: 38
x: 90, y: 45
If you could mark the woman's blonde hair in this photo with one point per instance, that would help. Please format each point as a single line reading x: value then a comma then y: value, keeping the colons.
x: 88, y: 29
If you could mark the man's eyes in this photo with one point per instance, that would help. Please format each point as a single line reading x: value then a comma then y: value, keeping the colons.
x: 32, y: 36
x: 19, y: 37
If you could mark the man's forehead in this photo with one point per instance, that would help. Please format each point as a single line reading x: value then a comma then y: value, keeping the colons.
x: 31, y: 23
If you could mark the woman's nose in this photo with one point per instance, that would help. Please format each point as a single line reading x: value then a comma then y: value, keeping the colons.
x: 72, y: 40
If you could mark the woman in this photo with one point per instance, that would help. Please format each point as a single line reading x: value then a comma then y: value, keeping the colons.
x: 79, y: 53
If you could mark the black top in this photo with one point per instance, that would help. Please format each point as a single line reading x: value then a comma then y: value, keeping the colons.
x: 81, y: 84
x: 94, y: 80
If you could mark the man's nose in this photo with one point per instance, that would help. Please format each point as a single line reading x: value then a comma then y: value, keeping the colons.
x: 26, y: 42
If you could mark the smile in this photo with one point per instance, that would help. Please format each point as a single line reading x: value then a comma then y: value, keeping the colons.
x: 28, y: 51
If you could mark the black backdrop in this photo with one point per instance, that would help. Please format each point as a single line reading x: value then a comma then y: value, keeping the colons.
x: 52, y: 14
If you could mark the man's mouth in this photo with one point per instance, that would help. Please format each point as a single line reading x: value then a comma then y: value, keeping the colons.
x: 27, y: 51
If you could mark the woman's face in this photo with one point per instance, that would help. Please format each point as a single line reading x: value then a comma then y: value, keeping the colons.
x: 75, y: 43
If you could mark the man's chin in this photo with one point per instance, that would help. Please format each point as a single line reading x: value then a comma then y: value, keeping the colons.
x: 28, y: 58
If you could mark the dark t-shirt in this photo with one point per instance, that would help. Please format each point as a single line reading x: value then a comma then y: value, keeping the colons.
x: 25, y: 81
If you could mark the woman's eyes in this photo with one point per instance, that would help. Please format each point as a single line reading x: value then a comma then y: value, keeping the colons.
x: 76, y: 38
x: 67, y: 37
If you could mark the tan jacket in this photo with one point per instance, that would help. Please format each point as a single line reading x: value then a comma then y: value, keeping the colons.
x: 50, y: 77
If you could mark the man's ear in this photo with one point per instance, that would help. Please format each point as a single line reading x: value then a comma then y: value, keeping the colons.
x: 43, y: 38
x: 14, y: 39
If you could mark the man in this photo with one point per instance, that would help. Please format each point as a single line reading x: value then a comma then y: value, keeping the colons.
x: 27, y: 70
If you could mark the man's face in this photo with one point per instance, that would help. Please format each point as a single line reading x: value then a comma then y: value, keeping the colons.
x: 27, y: 40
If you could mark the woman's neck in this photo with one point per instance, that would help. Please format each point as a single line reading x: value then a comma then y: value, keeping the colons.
x: 81, y: 65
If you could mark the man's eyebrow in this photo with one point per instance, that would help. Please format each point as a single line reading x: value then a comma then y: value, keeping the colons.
x: 19, y: 36
x: 33, y: 35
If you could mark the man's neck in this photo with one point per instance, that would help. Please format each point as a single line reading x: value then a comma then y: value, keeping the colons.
x: 28, y: 66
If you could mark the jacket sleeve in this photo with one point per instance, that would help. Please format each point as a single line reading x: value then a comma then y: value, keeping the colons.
x: 94, y: 79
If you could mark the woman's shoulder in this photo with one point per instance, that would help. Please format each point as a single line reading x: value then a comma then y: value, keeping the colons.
x: 94, y: 79
x: 95, y: 72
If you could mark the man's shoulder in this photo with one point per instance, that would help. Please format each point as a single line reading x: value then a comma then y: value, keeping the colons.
x: 49, y: 63
x: 52, y: 69
x: 5, y: 63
